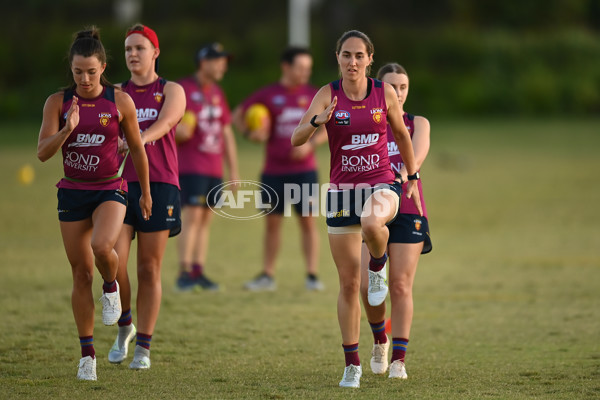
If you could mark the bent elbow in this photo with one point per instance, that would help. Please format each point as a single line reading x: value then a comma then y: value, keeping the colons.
x: 42, y: 156
x: 296, y: 141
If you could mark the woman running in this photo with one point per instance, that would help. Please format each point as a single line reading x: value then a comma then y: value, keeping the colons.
x: 84, y: 121
x: 160, y: 105
x: 363, y: 196
x: 409, y: 238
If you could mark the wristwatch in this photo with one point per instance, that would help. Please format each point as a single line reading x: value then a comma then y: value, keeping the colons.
x: 414, y: 176
x: 313, y: 121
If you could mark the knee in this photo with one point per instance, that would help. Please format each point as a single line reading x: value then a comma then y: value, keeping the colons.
x: 371, y: 227
x: 102, y: 249
x: 82, y: 276
x: 400, y: 289
x: 350, y: 288
x: 148, y: 271
x: 366, y: 225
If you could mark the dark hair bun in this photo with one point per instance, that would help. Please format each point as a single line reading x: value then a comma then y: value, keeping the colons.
x: 91, y: 32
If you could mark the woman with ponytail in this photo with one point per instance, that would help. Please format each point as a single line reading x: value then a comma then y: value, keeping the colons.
x: 84, y: 122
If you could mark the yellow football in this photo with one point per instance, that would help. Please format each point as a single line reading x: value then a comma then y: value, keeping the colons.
x: 257, y: 117
x: 25, y: 174
x: 189, y: 119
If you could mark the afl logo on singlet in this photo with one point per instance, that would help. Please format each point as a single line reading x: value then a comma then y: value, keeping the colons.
x: 342, y: 117
x: 104, y: 118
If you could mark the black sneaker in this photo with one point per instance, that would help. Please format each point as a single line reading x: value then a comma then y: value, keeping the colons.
x: 206, y: 283
x: 184, y: 282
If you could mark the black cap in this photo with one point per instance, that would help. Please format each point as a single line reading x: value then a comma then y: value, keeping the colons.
x: 213, y: 50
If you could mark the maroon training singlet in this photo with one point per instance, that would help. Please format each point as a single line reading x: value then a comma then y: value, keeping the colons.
x: 90, y: 153
x: 357, y: 133
x: 162, y: 153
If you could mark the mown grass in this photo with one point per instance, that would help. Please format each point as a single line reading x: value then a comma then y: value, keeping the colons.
x: 506, y: 306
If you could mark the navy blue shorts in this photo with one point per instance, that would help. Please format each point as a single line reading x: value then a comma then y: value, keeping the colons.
x: 195, y: 189
x: 77, y: 205
x: 301, y: 193
x: 166, y: 208
x: 344, y: 207
x: 410, y: 228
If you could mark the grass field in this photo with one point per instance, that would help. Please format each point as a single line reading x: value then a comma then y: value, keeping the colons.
x: 507, y: 306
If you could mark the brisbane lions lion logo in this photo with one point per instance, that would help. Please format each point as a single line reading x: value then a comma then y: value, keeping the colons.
x: 417, y: 224
x: 376, y: 112
x: 104, y: 119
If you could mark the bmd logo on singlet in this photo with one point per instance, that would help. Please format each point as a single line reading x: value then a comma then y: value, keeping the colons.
x: 362, y: 141
x: 393, y: 149
x: 88, y: 140
x: 147, y: 114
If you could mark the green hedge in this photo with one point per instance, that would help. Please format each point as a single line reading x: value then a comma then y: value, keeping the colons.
x: 452, y: 71
x: 504, y: 73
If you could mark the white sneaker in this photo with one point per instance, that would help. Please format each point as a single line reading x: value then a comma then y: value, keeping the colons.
x: 378, y: 287
x: 141, y: 358
x: 262, y: 283
x: 314, y: 285
x: 397, y: 370
x: 379, y: 357
x: 351, y: 378
x: 119, y: 350
x: 87, y: 369
x: 111, y: 307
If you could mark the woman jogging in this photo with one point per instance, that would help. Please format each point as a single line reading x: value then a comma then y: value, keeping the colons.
x: 363, y: 195
x: 84, y: 121
x: 160, y: 105
x: 409, y: 238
